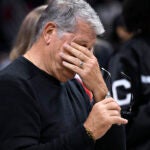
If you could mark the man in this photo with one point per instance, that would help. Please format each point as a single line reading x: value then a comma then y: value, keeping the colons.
x: 46, y: 108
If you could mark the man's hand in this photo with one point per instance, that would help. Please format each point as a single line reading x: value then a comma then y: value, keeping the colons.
x: 82, y: 61
x: 102, y: 116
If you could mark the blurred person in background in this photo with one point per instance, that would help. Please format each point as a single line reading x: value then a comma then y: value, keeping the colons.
x: 25, y: 36
x: 103, y: 52
x: 132, y: 88
x: 108, y: 10
x: 46, y: 108
x: 11, y: 15
x: 119, y: 34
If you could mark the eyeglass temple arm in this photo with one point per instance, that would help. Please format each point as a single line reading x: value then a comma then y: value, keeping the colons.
x: 109, y: 76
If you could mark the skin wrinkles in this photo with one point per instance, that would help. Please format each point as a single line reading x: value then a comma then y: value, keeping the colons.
x: 87, y: 40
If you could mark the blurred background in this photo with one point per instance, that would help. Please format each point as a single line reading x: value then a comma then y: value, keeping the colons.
x: 12, y: 13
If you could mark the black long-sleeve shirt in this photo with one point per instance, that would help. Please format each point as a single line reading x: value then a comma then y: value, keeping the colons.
x: 37, y: 112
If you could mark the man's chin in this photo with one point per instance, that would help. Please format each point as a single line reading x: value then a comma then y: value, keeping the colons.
x: 68, y: 77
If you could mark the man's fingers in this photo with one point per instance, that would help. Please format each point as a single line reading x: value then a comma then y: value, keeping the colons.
x: 118, y: 120
x: 107, y: 100
x: 113, y: 106
x: 114, y: 113
x: 81, y: 49
x: 71, y: 59
x: 75, y: 52
x: 110, y: 104
x: 72, y: 67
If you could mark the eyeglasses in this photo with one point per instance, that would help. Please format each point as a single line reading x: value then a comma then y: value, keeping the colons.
x: 107, y: 77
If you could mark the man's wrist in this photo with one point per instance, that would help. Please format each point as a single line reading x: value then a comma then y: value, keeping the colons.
x: 90, y: 134
x: 100, y: 94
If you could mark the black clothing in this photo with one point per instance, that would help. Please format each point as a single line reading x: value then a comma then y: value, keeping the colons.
x: 37, y: 112
x: 134, y: 60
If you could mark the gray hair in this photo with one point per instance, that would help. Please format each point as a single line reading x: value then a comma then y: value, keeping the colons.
x: 65, y: 14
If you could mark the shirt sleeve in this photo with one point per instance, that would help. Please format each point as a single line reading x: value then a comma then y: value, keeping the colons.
x: 124, y: 76
x: 20, y: 124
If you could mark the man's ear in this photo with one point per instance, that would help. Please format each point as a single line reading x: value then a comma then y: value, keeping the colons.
x: 48, y: 30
